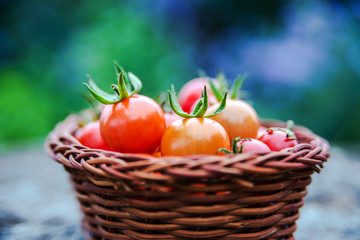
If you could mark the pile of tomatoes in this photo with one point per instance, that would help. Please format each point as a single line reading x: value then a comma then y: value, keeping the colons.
x: 199, y: 122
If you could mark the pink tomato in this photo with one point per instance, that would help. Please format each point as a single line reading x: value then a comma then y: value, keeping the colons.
x: 279, y: 138
x: 252, y: 145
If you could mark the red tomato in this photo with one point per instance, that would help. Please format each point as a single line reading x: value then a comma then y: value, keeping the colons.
x: 252, y: 145
x: 191, y: 92
x: 133, y: 125
x: 90, y: 136
x: 194, y: 136
x: 238, y: 118
x: 278, y: 139
x: 171, y: 117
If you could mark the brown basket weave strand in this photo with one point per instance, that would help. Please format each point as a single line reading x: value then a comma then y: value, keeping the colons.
x: 243, y: 196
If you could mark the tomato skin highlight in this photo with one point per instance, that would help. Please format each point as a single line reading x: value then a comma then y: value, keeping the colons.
x: 194, y: 136
x: 277, y: 140
x: 253, y: 146
x: 90, y: 136
x: 238, y: 118
x: 133, y: 125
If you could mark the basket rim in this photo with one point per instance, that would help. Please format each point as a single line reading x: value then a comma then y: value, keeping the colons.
x: 63, y: 147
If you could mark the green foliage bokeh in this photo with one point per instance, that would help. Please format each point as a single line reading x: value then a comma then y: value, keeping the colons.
x: 42, y: 83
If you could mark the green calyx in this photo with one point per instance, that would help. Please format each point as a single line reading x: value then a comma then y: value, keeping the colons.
x: 289, y: 130
x: 128, y: 85
x: 223, y: 86
x: 234, y: 146
x: 200, y: 108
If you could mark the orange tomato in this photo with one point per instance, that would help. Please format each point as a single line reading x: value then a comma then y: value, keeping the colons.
x: 238, y: 118
x: 192, y: 136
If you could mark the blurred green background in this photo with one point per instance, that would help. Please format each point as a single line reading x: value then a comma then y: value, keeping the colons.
x: 302, y: 57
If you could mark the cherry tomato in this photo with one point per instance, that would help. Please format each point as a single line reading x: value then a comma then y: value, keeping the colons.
x: 278, y: 139
x: 252, y: 145
x: 90, y: 136
x: 193, y: 136
x: 171, y: 117
x: 238, y: 118
x: 133, y: 125
x: 191, y: 92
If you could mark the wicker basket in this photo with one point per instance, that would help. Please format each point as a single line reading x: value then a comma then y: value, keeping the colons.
x: 243, y: 196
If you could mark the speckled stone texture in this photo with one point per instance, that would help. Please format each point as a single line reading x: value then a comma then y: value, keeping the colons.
x: 36, y: 200
x: 37, y: 203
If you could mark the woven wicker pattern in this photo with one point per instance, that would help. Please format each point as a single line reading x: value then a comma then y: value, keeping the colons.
x: 244, y: 196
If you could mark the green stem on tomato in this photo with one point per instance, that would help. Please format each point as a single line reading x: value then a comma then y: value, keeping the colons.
x: 216, y: 91
x: 135, y: 82
x: 237, y: 86
x: 118, y: 70
x: 122, y: 89
x: 224, y: 150
x: 199, y: 104
x: 174, y: 104
x: 234, y: 146
x: 128, y: 85
x: 221, y: 106
x: 234, y: 90
x: 200, y: 108
x: 222, y: 81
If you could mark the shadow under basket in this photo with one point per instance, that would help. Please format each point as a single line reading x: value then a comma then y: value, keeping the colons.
x: 242, y: 196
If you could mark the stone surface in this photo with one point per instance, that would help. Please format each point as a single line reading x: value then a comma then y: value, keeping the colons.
x: 36, y: 200
x: 332, y: 207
